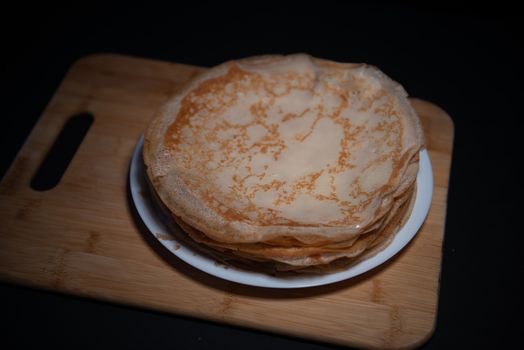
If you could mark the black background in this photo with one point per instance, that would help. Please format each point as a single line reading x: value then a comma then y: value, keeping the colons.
x: 465, y: 58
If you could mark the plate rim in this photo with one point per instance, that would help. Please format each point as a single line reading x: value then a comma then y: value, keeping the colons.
x: 151, y: 218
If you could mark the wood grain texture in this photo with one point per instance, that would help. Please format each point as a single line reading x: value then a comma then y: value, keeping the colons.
x: 83, y: 237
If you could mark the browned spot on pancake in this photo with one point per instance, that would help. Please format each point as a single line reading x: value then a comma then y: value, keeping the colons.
x: 309, y: 182
x: 91, y: 241
x: 345, y: 146
x: 190, y: 106
x: 369, y: 100
x: 259, y: 109
x: 302, y: 137
x: 232, y: 215
x: 291, y: 116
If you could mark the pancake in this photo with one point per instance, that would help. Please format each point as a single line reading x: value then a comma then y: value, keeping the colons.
x: 264, y: 250
x: 290, y: 160
x: 310, y: 262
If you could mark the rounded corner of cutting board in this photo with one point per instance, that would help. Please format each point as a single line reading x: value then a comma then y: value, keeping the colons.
x: 421, y: 339
x: 94, y: 58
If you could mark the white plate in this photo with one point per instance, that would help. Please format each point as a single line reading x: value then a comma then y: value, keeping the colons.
x: 152, y: 218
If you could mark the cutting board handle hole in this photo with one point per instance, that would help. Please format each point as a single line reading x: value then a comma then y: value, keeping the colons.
x: 62, y: 152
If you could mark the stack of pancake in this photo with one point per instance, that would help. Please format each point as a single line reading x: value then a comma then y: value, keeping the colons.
x: 286, y: 163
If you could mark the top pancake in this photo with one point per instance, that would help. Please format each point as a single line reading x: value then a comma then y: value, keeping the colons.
x: 277, y: 147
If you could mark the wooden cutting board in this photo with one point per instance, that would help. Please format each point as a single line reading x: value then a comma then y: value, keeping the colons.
x: 83, y: 237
